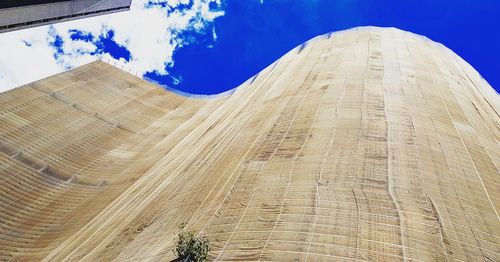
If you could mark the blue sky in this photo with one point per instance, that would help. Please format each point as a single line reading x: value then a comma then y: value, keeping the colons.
x: 210, y: 46
x: 252, y: 35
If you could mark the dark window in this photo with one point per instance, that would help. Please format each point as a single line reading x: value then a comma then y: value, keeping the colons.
x: 17, y: 3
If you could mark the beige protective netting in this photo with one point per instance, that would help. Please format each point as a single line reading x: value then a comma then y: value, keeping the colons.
x: 367, y: 144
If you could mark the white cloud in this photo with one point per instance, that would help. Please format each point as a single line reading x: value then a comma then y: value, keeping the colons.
x: 21, y: 64
x: 214, y: 34
x: 151, y: 33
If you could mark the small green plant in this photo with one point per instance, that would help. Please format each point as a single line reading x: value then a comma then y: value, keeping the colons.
x: 191, y: 248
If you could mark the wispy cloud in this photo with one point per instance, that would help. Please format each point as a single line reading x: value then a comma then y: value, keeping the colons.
x: 143, y: 39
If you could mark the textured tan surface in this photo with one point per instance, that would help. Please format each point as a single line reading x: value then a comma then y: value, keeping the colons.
x: 369, y: 144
